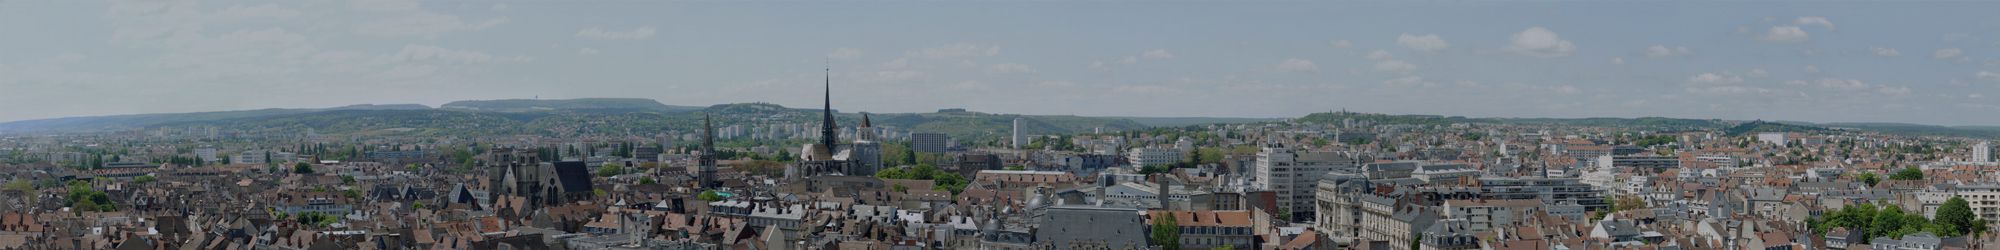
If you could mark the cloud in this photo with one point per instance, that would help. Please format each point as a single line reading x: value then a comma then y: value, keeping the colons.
x: 1004, y: 68
x: 602, y: 34
x: 1297, y: 65
x: 888, y: 76
x: 1409, y: 81
x: 1425, y: 43
x: 1540, y: 42
x: 1758, y: 73
x: 1947, y: 53
x: 1663, y: 51
x: 1379, y: 55
x: 844, y: 53
x: 1814, y: 20
x: 1812, y: 69
x: 955, y: 51
x: 1157, y: 54
x: 423, y: 24
x: 1724, y: 83
x: 896, y: 64
x: 1987, y: 76
x: 1128, y: 60
x: 1724, y: 78
x: 1893, y: 91
x: 417, y: 52
x: 1880, y: 51
x: 239, y: 12
x: 1728, y: 90
x: 1834, y: 83
x: 1395, y: 66
x: 1342, y: 44
x: 384, y: 5
x: 587, y: 51
x: 1784, y: 34
x: 500, y: 6
x: 1618, y: 61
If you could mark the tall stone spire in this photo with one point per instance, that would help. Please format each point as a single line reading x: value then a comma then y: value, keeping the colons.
x: 827, y: 130
x: 706, y: 173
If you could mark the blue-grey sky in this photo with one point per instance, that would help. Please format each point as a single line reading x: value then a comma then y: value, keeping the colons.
x: 1903, y: 61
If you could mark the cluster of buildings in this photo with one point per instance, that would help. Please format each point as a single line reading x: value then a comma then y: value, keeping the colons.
x: 1350, y: 184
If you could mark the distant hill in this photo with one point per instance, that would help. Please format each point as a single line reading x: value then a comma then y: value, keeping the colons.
x: 1989, y: 132
x: 1188, y: 121
x: 975, y: 126
x: 151, y: 120
x: 1764, y: 127
x: 562, y: 117
x: 382, y: 107
x: 526, y: 105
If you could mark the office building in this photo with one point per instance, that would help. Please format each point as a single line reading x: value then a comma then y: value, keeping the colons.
x: 1293, y: 174
x: 1020, y: 140
x: 1982, y: 152
x: 930, y: 142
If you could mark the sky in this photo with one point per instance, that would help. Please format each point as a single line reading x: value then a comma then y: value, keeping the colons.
x: 1930, y: 62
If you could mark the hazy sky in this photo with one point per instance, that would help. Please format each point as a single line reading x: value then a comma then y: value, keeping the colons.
x: 1919, y: 62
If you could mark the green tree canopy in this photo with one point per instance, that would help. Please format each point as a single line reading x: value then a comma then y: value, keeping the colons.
x: 1908, y: 174
x: 1166, y: 231
x: 1955, y: 218
x: 710, y: 196
x: 610, y: 169
x: 302, y: 168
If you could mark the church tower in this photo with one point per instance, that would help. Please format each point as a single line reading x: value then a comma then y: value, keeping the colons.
x: 828, y: 131
x: 865, y: 154
x: 705, y: 176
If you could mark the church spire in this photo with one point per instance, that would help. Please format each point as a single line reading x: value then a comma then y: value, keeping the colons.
x: 705, y: 173
x: 828, y: 131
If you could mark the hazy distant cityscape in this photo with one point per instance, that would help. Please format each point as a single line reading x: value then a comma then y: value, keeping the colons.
x: 395, y: 124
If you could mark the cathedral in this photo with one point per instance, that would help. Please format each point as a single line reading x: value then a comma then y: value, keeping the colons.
x: 519, y: 173
x: 829, y: 157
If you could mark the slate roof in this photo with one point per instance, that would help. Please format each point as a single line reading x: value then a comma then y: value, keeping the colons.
x: 573, y: 175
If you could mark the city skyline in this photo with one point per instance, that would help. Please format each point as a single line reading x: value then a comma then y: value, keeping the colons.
x: 1819, y: 62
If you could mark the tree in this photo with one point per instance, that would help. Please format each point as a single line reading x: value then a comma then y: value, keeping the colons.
x: 647, y: 181
x: 1016, y: 168
x: 144, y: 179
x: 1194, y: 156
x: 909, y: 156
x: 949, y: 181
x: 302, y: 168
x: 710, y: 196
x: 1869, y: 178
x: 892, y: 173
x: 900, y: 188
x: 1167, y: 231
x: 610, y: 169
x: 1908, y: 174
x: 1888, y: 220
x: 24, y: 188
x: 1955, y: 218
